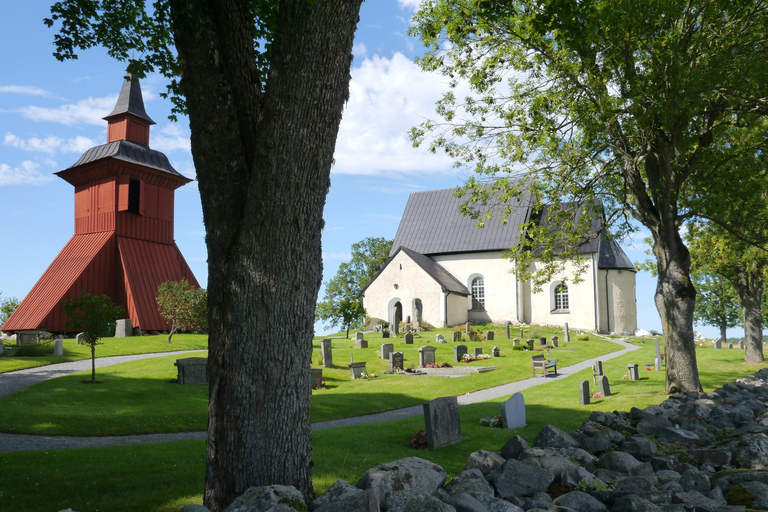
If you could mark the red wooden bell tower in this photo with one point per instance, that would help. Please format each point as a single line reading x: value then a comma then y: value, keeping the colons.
x: 123, y: 243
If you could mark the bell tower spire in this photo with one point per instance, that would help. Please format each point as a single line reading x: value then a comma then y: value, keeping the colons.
x: 128, y: 120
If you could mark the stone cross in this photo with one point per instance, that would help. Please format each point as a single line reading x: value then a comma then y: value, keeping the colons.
x: 513, y: 412
x: 327, y: 351
x: 386, y: 349
x: 458, y: 352
x: 441, y: 420
x: 408, y: 338
x: 584, y: 392
x: 602, y: 383
x: 426, y: 355
x: 566, y: 334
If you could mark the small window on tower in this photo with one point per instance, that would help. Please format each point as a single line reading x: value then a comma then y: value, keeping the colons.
x: 134, y: 196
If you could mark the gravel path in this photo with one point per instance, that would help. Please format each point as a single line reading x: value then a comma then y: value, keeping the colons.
x: 23, y: 442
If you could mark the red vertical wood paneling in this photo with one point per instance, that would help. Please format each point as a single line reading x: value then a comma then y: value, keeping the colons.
x: 149, y: 200
x: 123, y: 187
x: 165, y: 204
x: 117, y: 129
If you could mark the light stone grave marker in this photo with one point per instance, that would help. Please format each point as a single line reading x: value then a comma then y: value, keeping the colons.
x: 513, y: 412
x: 441, y: 420
x: 633, y: 372
x: 386, y: 349
x: 123, y: 328
x: 361, y: 343
x: 477, y: 351
x: 468, y: 329
x: 605, y: 388
x: 507, y: 324
x: 554, y: 341
x: 58, y: 347
x: 439, y: 339
x: 516, y: 342
x: 584, y: 392
x: 566, y: 333
x: 496, y: 351
x: 192, y: 370
x: 359, y: 336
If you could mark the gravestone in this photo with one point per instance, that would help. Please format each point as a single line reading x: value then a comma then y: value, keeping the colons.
x: 123, y: 328
x: 506, y: 325
x: 58, y: 347
x: 554, y: 341
x: 566, y: 334
x: 718, y: 344
x: 192, y: 370
x: 359, y: 336
x: 315, y: 378
x: 489, y: 336
x: 458, y: 352
x: 657, y: 363
x: 513, y: 412
x: 426, y: 355
x: 385, y: 334
x: 496, y: 351
x: 408, y: 338
x: 356, y: 369
x: 478, y: 351
x: 633, y: 372
x: 530, y: 344
x: 441, y: 420
x: 522, y: 333
x: 658, y: 356
x: 741, y: 345
x: 456, y: 336
x: 605, y: 388
x: 542, y: 342
x: 326, y: 348
x: 598, y: 368
x: 417, y: 307
x: 361, y: 343
x: 516, y: 342
x: 439, y: 339
x: 584, y: 392
x: 396, y: 360
x: 386, y: 349
x: 468, y: 329
x: 80, y: 338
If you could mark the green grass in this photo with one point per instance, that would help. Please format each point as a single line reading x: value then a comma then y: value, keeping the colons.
x: 163, y: 477
x: 136, y: 398
x: 110, y: 347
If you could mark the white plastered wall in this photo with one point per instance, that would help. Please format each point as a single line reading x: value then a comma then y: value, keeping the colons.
x: 616, y: 290
x: 404, y: 280
x: 581, y: 300
x: 498, y: 278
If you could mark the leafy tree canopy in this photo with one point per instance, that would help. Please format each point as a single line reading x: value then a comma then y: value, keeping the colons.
x: 341, y: 304
x: 7, y: 307
x: 183, y: 305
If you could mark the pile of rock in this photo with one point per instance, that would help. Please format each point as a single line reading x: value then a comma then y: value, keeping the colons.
x: 694, y: 452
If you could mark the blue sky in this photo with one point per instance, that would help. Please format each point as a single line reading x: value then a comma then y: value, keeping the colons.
x: 50, y: 113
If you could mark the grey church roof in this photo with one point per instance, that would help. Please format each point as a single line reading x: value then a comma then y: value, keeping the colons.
x: 612, y: 256
x: 130, y: 152
x: 431, y: 224
x: 130, y: 101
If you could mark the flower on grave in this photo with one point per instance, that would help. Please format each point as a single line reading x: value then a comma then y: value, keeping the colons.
x: 490, y: 421
x: 419, y: 440
x: 649, y: 368
x: 597, y: 395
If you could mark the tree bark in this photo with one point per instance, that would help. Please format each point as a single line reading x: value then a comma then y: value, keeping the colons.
x: 675, y: 300
x: 263, y: 163
x: 749, y: 286
x: 723, y: 329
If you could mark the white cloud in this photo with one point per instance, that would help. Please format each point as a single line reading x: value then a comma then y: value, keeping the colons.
x: 409, y: 4
x: 359, y: 50
x: 387, y: 98
x: 24, y: 89
x: 25, y: 174
x: 171, y: 137
x: 50, y: 144
x: 90, y: 111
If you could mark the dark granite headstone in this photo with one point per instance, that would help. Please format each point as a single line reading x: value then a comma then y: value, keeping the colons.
x: 426, y: 355
x: 458, y: 352
x: 361, y: 343
x: 605, y: 388
x: 489, y: 336
x: 477, y: 351
x: 396, y: 360
x: 456, y: 336
x: 408, y: 338
x: 441, y: 419
x: 192, y: 370
x: 506, y: 325
x: 554, y: 341
x: 326, y: 348
x: 584, y: 392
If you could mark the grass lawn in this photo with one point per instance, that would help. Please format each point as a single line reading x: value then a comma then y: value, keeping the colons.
x: 9, y: 361
x: 163, y: 477
x: 136, y: 398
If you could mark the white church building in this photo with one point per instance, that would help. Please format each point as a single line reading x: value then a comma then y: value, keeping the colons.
x: 444, y: 270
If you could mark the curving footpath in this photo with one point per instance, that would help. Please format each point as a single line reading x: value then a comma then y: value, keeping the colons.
x: 24, y: 442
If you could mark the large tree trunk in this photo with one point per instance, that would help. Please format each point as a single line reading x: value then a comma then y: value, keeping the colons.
x: 263, y: 164
x: 675, y: 300
x: 749, y: 285
x: 723, y: 330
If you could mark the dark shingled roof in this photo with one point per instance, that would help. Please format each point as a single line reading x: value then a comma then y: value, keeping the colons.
x: 432, y: 224
x: 130, y: 101
x: 612, y: 256
x: 130, y: 152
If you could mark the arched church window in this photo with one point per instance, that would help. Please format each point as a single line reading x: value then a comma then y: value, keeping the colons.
x: 478, y: 294
x: 561, y: 297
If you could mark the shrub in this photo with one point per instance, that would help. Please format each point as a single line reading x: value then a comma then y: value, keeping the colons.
x: 419, y: 440
x: 583, y: 337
